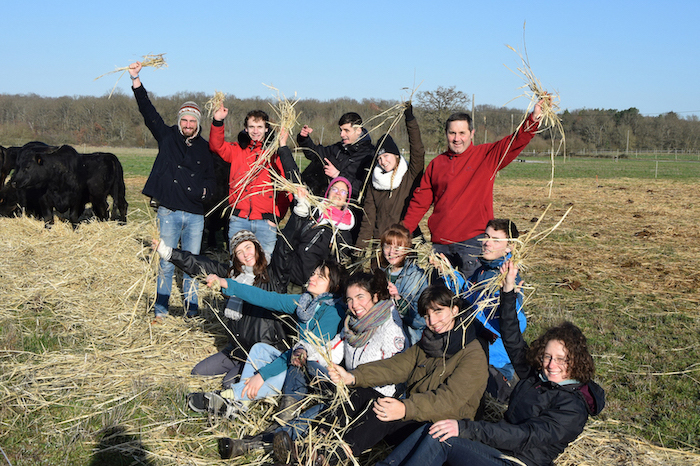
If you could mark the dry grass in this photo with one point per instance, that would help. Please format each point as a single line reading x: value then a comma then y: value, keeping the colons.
x: 79, y: 353
x: 153, y: 61
x: 549, y: 104
x: 214, y: 103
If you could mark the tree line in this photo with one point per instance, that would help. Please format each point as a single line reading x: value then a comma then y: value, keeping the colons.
x: 116, y: 121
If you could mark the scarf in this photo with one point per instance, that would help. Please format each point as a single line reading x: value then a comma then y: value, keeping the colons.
x: 358, y: 332
x: 342, y: 219
x: 381, y: 180
x: 306, y: 308
x: 447, y: 344
x: 234, y: 305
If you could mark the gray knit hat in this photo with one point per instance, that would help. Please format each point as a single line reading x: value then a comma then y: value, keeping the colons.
x: 241, y: 236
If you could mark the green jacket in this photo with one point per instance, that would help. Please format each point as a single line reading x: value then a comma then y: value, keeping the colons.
x: 436, y: 388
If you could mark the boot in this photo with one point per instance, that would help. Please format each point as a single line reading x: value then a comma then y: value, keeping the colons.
x: 283, y: 449
x: 288, y: 409
x: 233, y: 448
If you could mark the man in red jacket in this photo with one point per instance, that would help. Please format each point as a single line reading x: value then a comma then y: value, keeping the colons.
x: 459, y: 186
x: 255, y: 204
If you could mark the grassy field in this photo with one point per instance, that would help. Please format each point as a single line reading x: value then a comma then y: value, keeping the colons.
x: 86, y: 380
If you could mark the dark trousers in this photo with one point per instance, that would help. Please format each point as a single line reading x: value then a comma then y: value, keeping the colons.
x: 421, y: 449
x: 366, y: 429
x: 464, y: 255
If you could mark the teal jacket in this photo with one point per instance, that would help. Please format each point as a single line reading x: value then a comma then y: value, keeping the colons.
x: 325, y: 323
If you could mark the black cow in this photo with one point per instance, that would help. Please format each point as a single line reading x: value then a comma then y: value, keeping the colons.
x: 8, y: 157
x: 67, y: 181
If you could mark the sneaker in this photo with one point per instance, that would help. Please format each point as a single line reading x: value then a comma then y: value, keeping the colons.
x: 219, y: 406
x: 197, y: 402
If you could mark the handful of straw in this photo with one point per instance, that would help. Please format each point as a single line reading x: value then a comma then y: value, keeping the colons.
x: 549, y: 105
x: 214, y: 103
x: 153, y: 61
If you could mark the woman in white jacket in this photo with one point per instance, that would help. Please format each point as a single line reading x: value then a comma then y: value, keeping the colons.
x: 372, y: 330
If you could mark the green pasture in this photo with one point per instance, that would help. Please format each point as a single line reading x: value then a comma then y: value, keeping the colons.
x: 138, y: 162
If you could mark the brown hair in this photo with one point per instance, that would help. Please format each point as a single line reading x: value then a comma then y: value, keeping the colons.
x: 505, y: 225
x: 580, y: 361
x: 374, y: 283
x: 395, y: 234
x: 259, y: 269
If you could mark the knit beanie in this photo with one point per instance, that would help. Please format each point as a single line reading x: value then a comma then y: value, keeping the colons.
x: 239, y: 237
x: 334, y: 181
x: 192, y: 109
x: 388, y: 145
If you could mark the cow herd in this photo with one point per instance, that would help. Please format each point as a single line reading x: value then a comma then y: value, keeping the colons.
x: 47, y: 180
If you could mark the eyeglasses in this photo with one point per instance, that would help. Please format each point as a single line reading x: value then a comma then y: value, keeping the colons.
x: 558, y: 361
x: 335, y: 190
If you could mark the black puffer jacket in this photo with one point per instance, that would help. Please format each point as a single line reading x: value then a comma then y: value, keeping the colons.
x: 542, y: 417
x: 353, y: 161
x: 257, y: 325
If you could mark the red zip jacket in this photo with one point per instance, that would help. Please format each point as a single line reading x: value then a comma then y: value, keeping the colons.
x: 460, y: 187
x: 251, y: 197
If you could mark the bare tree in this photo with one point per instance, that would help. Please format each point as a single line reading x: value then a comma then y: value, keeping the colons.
x: 436, y: 107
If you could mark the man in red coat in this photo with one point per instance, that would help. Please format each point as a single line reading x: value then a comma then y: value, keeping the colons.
x: 459, y: 186
x: 255, y: 204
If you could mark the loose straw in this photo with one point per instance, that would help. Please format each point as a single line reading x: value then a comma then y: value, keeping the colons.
x: 153, y: 61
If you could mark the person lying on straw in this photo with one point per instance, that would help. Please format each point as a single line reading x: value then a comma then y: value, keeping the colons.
x: 548, y: 408
x: 319, y: 312
x: 372, y: 331
x: 246, y: 323
x: 445, y: 375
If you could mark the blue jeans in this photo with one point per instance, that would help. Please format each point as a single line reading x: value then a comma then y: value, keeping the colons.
x: 178, y: 228
x: 297, y: 382
x: 297, y: 427
x: 260, y: 355
x: 463, y: 255
x: 421, y: 449
x: 263, y: 231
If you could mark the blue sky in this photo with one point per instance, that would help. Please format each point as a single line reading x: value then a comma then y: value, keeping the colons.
x: 596, y: 54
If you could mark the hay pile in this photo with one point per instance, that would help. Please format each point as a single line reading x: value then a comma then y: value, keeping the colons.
x: 82, y: 367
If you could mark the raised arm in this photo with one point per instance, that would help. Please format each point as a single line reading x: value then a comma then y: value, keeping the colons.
x: 513, y: 340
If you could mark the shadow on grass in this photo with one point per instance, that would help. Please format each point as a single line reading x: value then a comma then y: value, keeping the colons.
x: 117, y: 448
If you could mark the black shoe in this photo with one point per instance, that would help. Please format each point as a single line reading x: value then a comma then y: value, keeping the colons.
x: 197, y: 402
x: 283, y: 448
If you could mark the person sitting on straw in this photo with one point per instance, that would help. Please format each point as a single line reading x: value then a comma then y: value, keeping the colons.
x: 319, y: 312
x: 548, y: 408
x: 311, y: 233
x: 496, y: 249
x: 406, y: 280
x: 459, y: 185
x: 350, y: 158
x: 247, y: 324
x: 445, y: 376
x: 372, y: 331
x: 181, y: 180
x: 255, y: 204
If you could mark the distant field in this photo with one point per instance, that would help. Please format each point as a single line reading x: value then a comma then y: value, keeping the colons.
x: 138, y: 162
